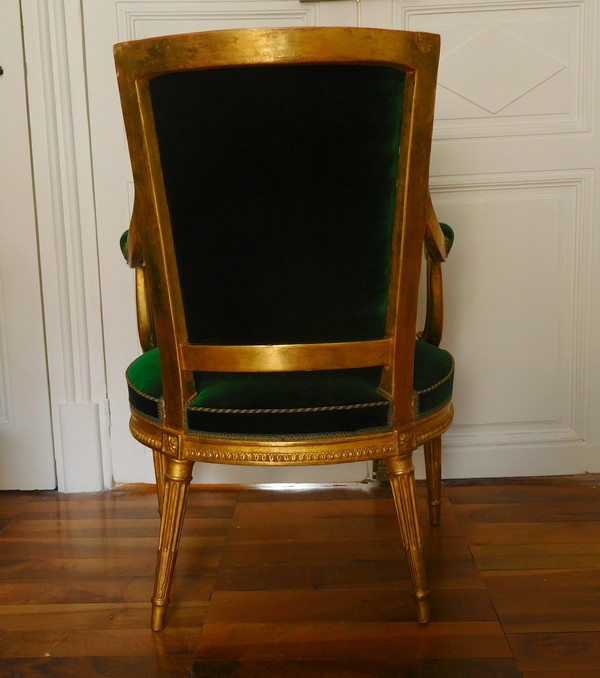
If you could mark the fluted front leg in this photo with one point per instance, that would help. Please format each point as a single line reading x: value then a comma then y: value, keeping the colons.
x: 402, y: 480
x: 176, y: 484
x: 433, y: 469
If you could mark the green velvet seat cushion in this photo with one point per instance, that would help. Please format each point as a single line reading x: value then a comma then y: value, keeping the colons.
x: 296, y: 403
x: 433, y: 378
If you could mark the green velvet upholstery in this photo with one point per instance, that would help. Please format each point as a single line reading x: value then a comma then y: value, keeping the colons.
x: 293, y: 403
x: 123, y: 243
x: 448, y: 235
x: 280, y: 183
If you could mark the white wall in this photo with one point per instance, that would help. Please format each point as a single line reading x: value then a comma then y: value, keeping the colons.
x: 514, y: 168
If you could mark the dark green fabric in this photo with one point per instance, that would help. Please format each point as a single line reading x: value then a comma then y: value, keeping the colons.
x: 281, y: 182
x: 448, y: 235
x: 306, y: 403
x: 291, y: 403
x: 144, y: 381
x: 433, y: 378
x: 123, y: 243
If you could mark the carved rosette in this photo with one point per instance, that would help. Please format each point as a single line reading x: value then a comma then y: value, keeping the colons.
x: 170, y: 444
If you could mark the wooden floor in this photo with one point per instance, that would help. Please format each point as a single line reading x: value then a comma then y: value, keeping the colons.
x: 304, y: 583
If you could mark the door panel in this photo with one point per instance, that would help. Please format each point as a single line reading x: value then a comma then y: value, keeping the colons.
x: 26, y: 451
x: 514, y: 167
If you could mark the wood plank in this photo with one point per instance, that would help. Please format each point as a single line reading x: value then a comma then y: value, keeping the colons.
x: 556, y: 651
x: 433, y: 668
x: 118, y: 528
x: 138, y: 551
x: 361, y: 641
x: 118, y: 503
x: 561, y: 583
x: 532, y: 533
x: 97, y: 642
x: 373, y: 517
x: 258, y: 553
x: 562, y: 510
x: 350, y: 575
x: 536, y: 556
x: 198, y: 560
x: 163, y: 665
x: 354, y: 605
x: 102, y: 590
x: 525, y: 614
x: 94, y: 616
x: 502, y: 491
x: 265, y: 525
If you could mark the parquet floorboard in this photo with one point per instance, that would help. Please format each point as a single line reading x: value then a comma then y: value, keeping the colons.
x: 304, y: 581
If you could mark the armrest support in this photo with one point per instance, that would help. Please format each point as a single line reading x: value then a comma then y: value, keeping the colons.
x: 438, y: 237
x: 438, y: 241
x: 145, y: 321
x: 133, y: 246
x: 132, y: 251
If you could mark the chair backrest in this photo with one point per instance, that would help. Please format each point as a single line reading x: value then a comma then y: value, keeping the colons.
x: 281, y: 184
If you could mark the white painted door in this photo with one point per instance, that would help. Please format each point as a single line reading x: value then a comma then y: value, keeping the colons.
x: 514, y: 167
x: 26, y: 450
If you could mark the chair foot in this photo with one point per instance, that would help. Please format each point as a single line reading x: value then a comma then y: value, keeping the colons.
x: 423, y: 610
x: 435, y: 511
x: 159, y: 612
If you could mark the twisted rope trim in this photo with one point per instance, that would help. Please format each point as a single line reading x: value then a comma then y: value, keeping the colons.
x: 290, y: 410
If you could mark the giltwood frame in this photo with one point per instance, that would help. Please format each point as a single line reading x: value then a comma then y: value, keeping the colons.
x: 160, y: 310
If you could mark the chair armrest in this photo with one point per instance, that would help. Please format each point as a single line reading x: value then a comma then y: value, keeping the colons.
x: 132, y: 251
x: 131, y: 246
x: 438, y: 242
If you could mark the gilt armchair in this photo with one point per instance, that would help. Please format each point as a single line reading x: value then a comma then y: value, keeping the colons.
x: 281, y: 213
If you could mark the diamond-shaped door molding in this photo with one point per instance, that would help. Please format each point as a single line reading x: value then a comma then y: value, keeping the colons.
x: 495, y: 68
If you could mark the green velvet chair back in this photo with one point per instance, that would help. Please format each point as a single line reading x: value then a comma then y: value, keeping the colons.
x: 281, y: 186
